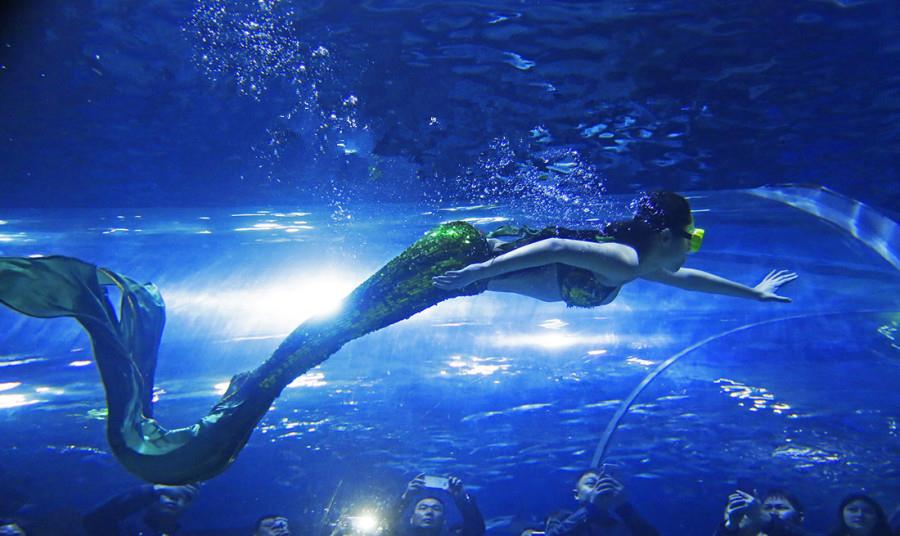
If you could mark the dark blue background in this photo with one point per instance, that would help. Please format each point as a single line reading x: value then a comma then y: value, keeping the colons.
x: 112, y: 103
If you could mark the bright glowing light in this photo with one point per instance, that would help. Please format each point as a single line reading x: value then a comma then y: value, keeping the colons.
x: 475, y: 369
x: 315, y: 379
x: 634, y: 360
x: 272, y: 226
x: 477, y: 366
x: 280, y: 305
x: 50, y: 390
x: 365, y: 522
x: 18, y: 237
x: 532, y: 407
x: 316, y: 295
x: 553, y: 323
x: 14, y: 401
x: 82, y: 363
x: 220, y: 388
x: 262, y: 227
x: 597, y: 352
x: 484, y: 370
x: 25, y: 361
x: 485, y: 221
x: 9, y: 385
x: 553, y: 341
x: 760, y: 397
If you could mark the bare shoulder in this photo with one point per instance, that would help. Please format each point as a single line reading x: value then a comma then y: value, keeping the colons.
x: 626, y: 256
x: 616, y: 262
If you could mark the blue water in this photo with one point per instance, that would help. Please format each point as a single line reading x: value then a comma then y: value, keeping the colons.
x: 257, y: 159
x: 509, y: 393
x: 151, y: 103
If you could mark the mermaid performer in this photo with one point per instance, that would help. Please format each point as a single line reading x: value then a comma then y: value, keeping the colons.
x: 583, y: 268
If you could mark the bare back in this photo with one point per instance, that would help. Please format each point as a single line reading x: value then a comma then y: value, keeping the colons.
x: 539, y: 283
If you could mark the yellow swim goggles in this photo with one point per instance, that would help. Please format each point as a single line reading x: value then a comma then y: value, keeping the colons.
x: 695, y: 235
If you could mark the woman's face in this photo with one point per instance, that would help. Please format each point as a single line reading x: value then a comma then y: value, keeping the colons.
x: 586, y: 487
x: 860, y: 517
x: 673, y: 249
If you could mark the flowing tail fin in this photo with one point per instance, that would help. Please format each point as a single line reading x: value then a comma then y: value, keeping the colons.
x: 126, y: 346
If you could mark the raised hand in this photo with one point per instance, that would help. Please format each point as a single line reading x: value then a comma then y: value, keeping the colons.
x: 740, y: 504
x: 608, y: 493
x: 455, y: 486
x: 415, y: 484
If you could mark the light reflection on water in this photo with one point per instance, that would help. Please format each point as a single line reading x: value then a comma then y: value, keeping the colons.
x: 15, y: 401
x: 524, y: 384
x: 6, y: 386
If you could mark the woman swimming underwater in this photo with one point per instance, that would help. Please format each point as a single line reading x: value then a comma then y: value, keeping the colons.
x: 583, y: 268
x: 587, y: 268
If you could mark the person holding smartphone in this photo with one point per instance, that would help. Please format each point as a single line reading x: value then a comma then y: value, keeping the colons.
x: 603, y: 510
x: 778, y: 513
x: 427, y: 495
x: 149, y: 510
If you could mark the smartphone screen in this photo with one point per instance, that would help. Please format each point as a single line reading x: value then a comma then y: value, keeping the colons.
x: 437, y: 482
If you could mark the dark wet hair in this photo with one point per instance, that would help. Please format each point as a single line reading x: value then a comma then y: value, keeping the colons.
x: 653, y: 212
x: 779, y: 492
x: 423, y: 497
x: 881, y: 528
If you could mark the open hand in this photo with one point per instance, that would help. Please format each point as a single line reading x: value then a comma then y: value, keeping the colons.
x: 767, y: 288
x: 455, y: 486
x: 740, y: 504
x: 415, y: 484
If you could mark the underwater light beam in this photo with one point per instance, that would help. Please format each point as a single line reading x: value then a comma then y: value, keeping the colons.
x: 278, y: 307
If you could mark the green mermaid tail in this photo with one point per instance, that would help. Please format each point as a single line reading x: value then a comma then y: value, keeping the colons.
x: 125, y: 347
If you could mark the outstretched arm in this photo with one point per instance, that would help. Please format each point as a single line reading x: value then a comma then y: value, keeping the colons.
x: 473, y: 521
x: 700, y: 281
x: 615, y: 261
